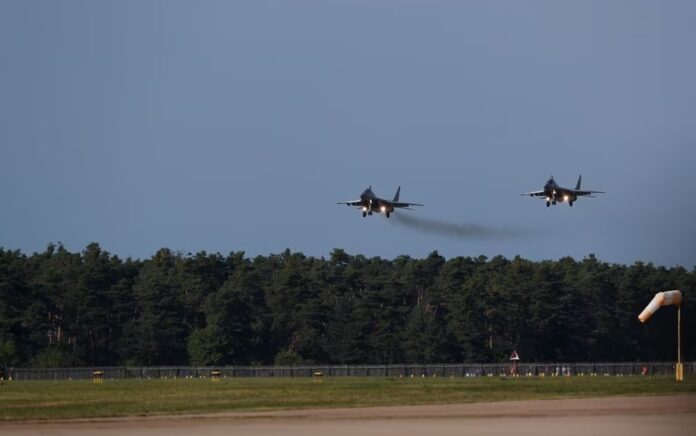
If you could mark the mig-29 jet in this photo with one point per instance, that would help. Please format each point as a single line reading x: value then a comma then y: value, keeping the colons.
x: 369, y: 203
x: 553, y: 193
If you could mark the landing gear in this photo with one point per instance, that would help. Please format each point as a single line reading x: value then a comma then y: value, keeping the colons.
x: 570, y: 203
x: 370, y: 213
x: 553, y: 202
x: 388, y: 213
x: 364, y: 214
x: 547, y: 205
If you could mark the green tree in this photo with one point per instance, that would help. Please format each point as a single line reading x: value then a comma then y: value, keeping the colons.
x: 228, y: 337
x: 52, y: 317
x: 158, y: 334
x: 13, y: 302
x: 59, y: 308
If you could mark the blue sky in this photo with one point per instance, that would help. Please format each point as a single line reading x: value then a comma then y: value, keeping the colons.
x: 225, y: 126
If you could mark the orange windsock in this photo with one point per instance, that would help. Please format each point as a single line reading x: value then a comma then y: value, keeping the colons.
x: 661, y: 299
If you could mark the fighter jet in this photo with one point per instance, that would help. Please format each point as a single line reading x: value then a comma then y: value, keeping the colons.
x: 553, y: 193
x: 369, y: 203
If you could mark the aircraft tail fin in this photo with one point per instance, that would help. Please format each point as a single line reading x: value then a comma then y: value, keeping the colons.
x: 396, y: 196
x: 577, y: 187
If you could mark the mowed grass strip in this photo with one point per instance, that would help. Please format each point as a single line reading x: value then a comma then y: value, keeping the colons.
x: 81, y: 399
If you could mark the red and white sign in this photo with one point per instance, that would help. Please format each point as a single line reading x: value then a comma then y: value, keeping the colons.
x: 514, y: 356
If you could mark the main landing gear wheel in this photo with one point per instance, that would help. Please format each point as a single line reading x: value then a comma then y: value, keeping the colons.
x: 388, y: 213
x: 370, y: 213
x: 570, y: 203
x: 553, y: 202
x: 364, y: 214
x: 547, y: 205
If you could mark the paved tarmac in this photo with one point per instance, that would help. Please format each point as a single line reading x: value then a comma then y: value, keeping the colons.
x: 617, y: 416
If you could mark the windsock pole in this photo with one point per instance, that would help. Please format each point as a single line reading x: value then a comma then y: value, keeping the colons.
x: 668, y: 298
x: 680, y: 365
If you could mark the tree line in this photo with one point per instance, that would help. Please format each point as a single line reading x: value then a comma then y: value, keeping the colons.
x: 92, y: 308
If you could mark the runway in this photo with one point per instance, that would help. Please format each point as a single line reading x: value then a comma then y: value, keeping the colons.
x: 634, y: 416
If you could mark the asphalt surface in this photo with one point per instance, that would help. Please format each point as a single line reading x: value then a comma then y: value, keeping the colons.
x: 634, y: 416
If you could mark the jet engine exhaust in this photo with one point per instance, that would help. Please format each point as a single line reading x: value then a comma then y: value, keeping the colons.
x: 457, y: 230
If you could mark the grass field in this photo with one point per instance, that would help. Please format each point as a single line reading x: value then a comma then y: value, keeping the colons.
x: 82, y: 399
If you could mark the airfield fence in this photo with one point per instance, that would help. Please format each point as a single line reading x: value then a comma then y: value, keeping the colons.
x: 401, y: 370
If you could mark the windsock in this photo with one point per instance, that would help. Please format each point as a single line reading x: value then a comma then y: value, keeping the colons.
x: 661, y: 299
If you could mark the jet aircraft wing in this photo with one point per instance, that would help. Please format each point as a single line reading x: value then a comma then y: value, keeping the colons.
x: 403, y: 205
x: 534, y: 194
x: 355, y: 203
x: 586, y: 193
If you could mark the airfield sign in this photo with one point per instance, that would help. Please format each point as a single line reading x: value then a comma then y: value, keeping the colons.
x: 514, y: 356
